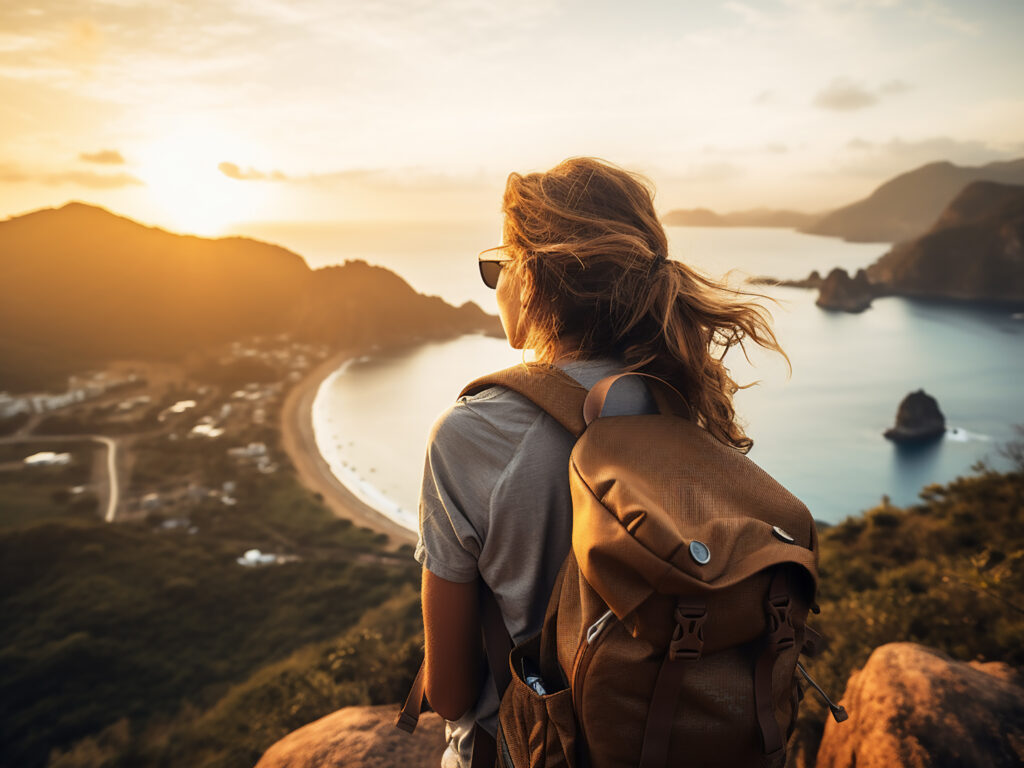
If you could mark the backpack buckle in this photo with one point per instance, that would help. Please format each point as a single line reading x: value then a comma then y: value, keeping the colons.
x: 688, y: 636
x: 781, y: 632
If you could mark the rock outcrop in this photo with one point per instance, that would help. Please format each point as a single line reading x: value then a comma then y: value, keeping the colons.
x: 914, y: 707
x: 359, y: 737
x: 918, y: 419
x: 842, y: 292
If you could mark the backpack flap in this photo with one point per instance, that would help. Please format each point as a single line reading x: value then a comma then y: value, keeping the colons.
x: 662, y: 508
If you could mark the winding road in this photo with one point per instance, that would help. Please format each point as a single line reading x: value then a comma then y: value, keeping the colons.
x: 113, y: 486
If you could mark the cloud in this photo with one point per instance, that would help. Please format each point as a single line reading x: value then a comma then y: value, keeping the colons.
x: 895, y: 87
x: 711, y: 172
x: 859, y: 143
x: 92, y: 180
x: 844, y: 96
x: 104, y: 157
x: 736, y: 150
x: 232, y: 171
x: 753, y: 16
x: 11, y: 174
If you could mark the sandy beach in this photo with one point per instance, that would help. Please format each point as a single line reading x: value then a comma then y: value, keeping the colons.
x: 314, y: 473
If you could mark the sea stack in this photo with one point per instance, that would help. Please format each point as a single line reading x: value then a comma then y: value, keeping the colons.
x: 918, y: 420
x: 849, y: 294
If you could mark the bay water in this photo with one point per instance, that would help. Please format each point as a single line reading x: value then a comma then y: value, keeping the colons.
x: 817, y: 431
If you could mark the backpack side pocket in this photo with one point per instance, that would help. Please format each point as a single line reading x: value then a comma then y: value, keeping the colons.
x: 535, y: 730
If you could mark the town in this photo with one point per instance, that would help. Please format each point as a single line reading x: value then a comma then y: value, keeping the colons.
x: 159, y: 443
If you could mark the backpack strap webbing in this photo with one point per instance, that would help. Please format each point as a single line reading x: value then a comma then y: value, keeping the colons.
x: 686, y: 646
x: 781, y: 636
x: 497, y: 647
x: 409, y: 714
x: 546, y: 386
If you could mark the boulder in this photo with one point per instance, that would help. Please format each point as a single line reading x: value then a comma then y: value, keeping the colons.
x: 842, y: 292
x: 914, y: 707
x: 359, y: 737
x: 918, y: 419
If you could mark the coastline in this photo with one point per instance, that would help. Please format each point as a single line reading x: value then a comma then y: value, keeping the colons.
x: 299, y: 442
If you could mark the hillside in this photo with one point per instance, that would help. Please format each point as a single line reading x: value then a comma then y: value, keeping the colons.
x: 975, y: 250
x: 945, y: 572
x: 909, y: 204
x: 757, y: 217
x: 82, y: 285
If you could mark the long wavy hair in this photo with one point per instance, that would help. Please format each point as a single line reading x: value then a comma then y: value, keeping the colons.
x: 592, y: 256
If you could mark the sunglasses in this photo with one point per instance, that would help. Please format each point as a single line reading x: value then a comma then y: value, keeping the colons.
x: 490, y: 268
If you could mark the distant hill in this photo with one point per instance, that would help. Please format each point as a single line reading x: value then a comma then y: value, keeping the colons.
x: 909, y: 204
x: 756, y: 217
x: 81, y: 284
x: 975, y: 250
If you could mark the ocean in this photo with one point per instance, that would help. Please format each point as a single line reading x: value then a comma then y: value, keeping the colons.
x: 819, y: 431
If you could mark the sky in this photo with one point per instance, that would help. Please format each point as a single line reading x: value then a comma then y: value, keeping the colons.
x: 201, y: 116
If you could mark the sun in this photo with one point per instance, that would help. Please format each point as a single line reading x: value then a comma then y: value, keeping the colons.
x: 180, y: 170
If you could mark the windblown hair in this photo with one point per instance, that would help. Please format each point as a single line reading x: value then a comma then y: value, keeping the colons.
x: 592, y: 255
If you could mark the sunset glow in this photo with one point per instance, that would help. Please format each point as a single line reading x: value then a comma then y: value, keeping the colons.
x: 207, y: 115
x: 180, y: 170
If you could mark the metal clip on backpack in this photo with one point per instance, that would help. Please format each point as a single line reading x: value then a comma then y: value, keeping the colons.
x: 674, y: 628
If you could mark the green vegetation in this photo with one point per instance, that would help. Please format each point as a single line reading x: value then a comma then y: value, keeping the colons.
x: 947, y: 573
x: 32, y: 494
x: 133, y: 645
x: 117, y: 634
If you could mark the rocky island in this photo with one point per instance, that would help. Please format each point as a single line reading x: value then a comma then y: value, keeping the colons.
x: 918, y: 420
x: 848, y: 294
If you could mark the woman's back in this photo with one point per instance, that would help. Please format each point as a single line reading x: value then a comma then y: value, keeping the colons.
x: 495, y: 501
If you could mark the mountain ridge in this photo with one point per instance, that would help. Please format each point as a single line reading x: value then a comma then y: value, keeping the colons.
x: 83, y: 284
x: 973, y: 252
x: 909, y: 204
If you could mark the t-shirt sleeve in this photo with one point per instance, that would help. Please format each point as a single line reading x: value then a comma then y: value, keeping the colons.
x: 464, y: 457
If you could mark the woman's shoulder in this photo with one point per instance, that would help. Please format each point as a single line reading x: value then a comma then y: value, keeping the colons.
x: 494, y: 414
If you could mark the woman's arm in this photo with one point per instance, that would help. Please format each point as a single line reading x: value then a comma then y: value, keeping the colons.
x: 451, y: 629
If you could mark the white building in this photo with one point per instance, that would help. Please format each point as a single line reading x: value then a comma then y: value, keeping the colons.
x: 47, y: 459
x: 254, y: 557
x: 43, y: 402
x: 12, y: 406
x: 252, y: 450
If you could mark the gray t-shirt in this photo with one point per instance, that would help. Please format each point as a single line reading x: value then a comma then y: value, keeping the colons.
x: 495, y: 501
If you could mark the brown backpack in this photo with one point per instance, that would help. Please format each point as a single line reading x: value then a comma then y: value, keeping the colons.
x: 674, y: 629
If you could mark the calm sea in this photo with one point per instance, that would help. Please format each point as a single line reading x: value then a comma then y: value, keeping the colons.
x: 819, y: 432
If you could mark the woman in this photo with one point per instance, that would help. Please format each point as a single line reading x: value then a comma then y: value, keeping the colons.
x: 583, y: 280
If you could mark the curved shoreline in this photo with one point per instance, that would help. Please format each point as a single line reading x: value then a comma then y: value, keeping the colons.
x: 299, y: 442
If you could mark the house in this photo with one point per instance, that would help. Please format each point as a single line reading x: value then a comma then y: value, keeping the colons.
x: 12, y: 406
x: 250, y: 451
x: 47, y: 459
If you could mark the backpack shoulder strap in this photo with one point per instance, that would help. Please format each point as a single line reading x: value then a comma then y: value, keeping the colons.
x: 546, y: 386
